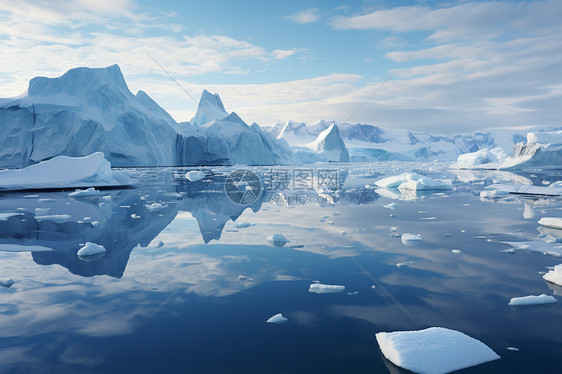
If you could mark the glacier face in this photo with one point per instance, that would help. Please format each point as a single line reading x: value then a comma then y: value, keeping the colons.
x: 92, y: 110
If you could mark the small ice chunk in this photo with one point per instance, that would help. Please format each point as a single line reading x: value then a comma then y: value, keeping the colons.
x: 456, y: 251
x: 391, y: 206
x: 353, y: 293
x: 512, y: 349
x: 435, y: 350
x: 553, y: 222
x: 243, y: 278
x: 85, y: 193
x: 325, y: 288
x: 278, y: 240
x: 277, y: 319
x: 411, y: 239
x: 554, y: 275
x: 155, y: 206
x: 90, y: 249
x: 243, y: 225
x: 394, y: 228
x: 135, y: 216
x: 194, y: 175
x: 7, y: 283
x: 405, y: 263
x: 373, y: 287
x: 42, y: 211
x: 509, y: 251
x: 95, y: 223
x: 532, y: 300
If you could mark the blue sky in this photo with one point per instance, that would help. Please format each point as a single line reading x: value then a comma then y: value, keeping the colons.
x: 471, y: 64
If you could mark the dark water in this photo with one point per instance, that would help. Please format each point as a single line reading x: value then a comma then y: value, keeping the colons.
x: 187, y: 286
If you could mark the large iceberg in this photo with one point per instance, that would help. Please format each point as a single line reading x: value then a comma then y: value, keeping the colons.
x: 329, y: 146
x: 64, y: 172
x: 92, y: 110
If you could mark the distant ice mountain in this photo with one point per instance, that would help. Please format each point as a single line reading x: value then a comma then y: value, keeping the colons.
x: 372, y: 143
x: 92, y: 110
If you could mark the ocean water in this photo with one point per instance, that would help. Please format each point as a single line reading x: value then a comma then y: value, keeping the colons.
x: 189, y: 277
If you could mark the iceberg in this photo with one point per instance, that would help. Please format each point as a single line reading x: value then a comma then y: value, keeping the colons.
x: 552, y: 222
x: 277, y: 319
x: 435, y: 350
x: 325, y: 288
x: 330, y: 145
x: 526, y: 301
x: 92, y: 110
x: 554, y: 275
x: 538, y: 246
x: 65, y: 172
x: 412, y: 182
x: 481, y: 159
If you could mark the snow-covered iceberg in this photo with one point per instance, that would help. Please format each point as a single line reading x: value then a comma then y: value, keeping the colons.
x: 92, y: 110
x: 329, y: 146
x: 435, y: 350
x: 65, y: 172
x: 278, y: 319
x: 481, y: 159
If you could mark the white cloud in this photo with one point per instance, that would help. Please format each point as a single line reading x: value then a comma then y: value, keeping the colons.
x: 305, y: 16
x: 280, y: 54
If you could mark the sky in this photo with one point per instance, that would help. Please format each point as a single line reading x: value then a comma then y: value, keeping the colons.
x: 435, y: 66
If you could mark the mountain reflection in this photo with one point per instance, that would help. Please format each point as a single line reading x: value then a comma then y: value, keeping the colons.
x: 121, y: 220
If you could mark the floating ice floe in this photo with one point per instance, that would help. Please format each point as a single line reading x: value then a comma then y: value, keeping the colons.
x: 411, y: 239
x: 538, y: 246
x: 7, y: 283
x: 456, y: 251
x: 554, y: 276
x: 65, y: 172
x: 435, y: 350
x: 243, y: 278
x: 194, y: 175
x: 277, y: 319
x: 243, y: 225
x: 532, y: 300
x: 278, y: 240
x: 85, y: 193
x: 91, y: 249
x: 325, y: 288
x: 413, y: 182
x: 552, y: 222
x: 390, y: 206
x: 57, y: 218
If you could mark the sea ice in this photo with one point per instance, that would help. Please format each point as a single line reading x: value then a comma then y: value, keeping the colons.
x: 555, y: 275
x: 553, y: 222
x: 91, y: 249
x: 532, y: 300
x: 390, y: 206
x: 435, y: 350
x: 277, y: 319
x: 85, y: 193
x: 194, y: 175
x: 155, y: 206
x: 412, y: 182
x: 58, y: 218
x: 325, y: 288
x: 64, y: 172
x: 278, y: 240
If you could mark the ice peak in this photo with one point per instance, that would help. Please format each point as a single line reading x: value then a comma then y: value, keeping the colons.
x: 331, y: 144
x: 210, y: 109
x: 79, y: 81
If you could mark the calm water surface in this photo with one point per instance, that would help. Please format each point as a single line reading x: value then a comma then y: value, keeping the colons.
x: 187, y: 285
